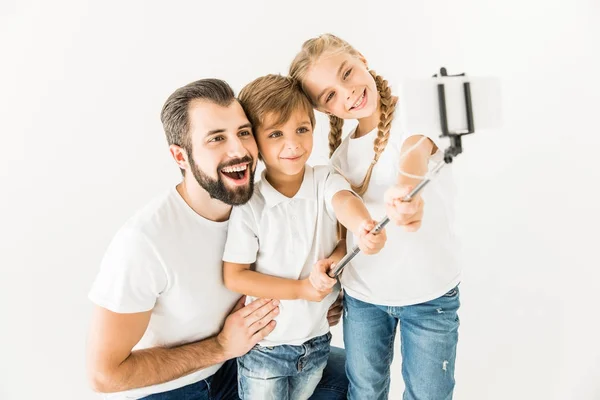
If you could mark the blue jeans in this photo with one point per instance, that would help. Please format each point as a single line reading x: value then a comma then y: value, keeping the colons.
x: 428, y: 333
x: 223, y: 385
x: 283, y: 372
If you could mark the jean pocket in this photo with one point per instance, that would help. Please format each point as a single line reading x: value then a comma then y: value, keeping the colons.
x: 264, y: 349
x: 452, y: 292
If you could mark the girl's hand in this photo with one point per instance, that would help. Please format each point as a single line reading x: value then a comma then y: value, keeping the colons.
x: 370, y: 243
x: 407, y: 214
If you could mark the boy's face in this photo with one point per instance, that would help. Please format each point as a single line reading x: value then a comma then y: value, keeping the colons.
x: 285, y: 148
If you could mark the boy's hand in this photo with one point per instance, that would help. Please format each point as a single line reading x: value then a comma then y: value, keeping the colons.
x: 407, y: 214
x: 370, y: 243
x: 318, y: 284
x: 318, y: 276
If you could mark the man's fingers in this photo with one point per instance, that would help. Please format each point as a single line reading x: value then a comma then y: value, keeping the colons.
x: 262, y: 333
x: 261, y: 312
x: 263, y: 321
x: 239, y: 305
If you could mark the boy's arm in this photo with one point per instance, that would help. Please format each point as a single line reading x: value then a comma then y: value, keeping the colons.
x: 241, y: 279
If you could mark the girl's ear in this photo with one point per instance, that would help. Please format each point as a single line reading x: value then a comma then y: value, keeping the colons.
x: 363, y: 59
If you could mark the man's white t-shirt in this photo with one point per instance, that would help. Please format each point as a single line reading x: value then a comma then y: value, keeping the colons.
x: 167, y: 259
x: 413, y: 267
x: 285, y: 237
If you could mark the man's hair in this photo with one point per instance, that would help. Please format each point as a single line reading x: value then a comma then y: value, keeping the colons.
x: 174, y: 114
x: 277, y: 95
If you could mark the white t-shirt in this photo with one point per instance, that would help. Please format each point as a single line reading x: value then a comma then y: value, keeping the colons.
x: 413, y: 267
x: 286, y: 237
x: 167, y: 259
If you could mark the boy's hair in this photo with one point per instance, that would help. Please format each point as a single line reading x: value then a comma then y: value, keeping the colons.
x: 314, y: 48
x: 277, y: 95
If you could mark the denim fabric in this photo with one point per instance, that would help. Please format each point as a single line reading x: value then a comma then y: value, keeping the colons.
x: 429, y: 336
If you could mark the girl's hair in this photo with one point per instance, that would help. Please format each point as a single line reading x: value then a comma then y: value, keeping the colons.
x: 314, y: 48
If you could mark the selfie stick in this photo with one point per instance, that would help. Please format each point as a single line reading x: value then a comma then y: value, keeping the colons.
x: 452, y: 151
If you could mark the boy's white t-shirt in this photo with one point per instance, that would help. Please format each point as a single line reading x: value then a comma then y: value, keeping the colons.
x: 413, y: 267
x: 285, y: 237
x: 167, y: 259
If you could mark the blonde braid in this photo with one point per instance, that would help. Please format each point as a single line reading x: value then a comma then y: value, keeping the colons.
x: 387, y: 105
x: 335, y: 133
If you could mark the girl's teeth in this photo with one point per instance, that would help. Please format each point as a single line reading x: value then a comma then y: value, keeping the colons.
x: 360, y: 99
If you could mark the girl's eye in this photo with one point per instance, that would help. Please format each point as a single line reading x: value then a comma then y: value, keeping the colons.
x: 347, y: 73
x: 329, y: 97
x: 302, y: 129
x: 275, y: 134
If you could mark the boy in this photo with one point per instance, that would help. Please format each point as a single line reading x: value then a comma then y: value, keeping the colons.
x: 288, y: 230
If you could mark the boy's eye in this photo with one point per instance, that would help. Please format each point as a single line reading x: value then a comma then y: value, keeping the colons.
x: 275, y: 134
x: 347, y: 73
x: 329, y: 97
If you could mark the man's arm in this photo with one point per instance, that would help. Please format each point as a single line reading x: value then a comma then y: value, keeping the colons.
x: 113, y: 367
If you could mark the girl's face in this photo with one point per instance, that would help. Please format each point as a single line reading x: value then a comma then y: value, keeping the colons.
x: 340, y: 84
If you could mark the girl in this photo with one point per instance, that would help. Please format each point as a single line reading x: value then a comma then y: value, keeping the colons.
x: 412, y: 281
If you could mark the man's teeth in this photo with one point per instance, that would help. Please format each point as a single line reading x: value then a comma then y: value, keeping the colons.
x: 360, y: 99
x: 235, y: 169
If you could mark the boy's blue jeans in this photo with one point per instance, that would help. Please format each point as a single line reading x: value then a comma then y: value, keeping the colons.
x: 283, y: 372
x: 223, y: 385
x: 428, y: 333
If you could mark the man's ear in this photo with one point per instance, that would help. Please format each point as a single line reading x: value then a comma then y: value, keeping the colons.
x: 180, y: 156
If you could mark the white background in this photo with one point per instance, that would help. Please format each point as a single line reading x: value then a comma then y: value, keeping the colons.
x: 82, y: 147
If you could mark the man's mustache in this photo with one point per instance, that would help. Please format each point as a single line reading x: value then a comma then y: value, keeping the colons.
x: 235, y: 161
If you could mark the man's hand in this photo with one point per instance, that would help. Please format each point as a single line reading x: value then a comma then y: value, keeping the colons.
x: 407, y: 214
x: 246, y: 326
x: 370, y: 243
x: 335, y: 311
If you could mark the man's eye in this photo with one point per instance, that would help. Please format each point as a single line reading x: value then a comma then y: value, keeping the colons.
x: 245, y: 133
x: 217, y: 139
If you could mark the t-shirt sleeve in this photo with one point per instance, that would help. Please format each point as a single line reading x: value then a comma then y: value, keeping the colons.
x: 334, y: 182
x: 131, y: 276
x: 242, y: 236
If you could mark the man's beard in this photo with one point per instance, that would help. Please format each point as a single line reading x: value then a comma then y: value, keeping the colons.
x: 216, y: 187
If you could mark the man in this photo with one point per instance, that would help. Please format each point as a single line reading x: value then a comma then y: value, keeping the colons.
x: 164, y: 325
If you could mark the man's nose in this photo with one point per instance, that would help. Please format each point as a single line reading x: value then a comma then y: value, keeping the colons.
x: 236, y: 148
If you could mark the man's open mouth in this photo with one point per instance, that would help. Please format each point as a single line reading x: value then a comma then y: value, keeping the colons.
x: 236, y: 172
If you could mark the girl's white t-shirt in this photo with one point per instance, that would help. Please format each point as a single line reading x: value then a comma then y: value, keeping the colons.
x: 413, y: 267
